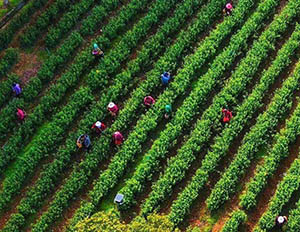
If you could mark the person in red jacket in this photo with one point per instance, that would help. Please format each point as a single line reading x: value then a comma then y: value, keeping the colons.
x: 113, y: 109
x: 118, y: 138
x: 227, y: 115
x: 99, y: 127
x: 149, y: 101
x: 21, y: 114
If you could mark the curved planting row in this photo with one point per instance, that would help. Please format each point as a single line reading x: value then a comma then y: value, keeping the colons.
x: 83, y: 61
x: 294, y: 219
x: 236, y: 219
x: 134, y: 142
x: 149, y: 121
x: 180, y: 163
x: 19, y: 21
x: 62, y: 86
x: 33, y: 32
x: 79, y: 177
x: 260, y: 133
x: 289, y: 184
x: 6, y: 86
x: 42, y: 145
x: 8, y: 60
x: 279, y: 151
x: 68, y: 21
x: 138, y: 32
x: 35, y: 86
x: 51, y: 174
x: 181, y: 119
x: 243, y: 113
x: 91, y: 23
x: 7, y: 119
x: 63, y: 55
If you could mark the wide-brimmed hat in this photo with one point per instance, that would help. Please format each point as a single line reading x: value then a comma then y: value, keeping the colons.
x: 229, y: 6
x: 98, y: 124
x: 280, y: 219
x: 111, y: 105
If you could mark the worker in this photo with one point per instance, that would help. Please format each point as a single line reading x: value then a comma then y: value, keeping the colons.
x: 118, y: 138
x: 281, y: 220
x: 149, y: 101
x: 97, y: 51
x: 83, y: 140
x: 165, y: 78
x: 228, y: 8
x: 113, y: 109
x: 21, y: 114
x: 80, y: 141
x: 168, y: 111
x: 17, y: 89
x: 227, y: 115
x: 99, y: 127
x: 87, y: 142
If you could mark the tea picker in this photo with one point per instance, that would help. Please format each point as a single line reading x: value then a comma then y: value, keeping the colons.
x: 168, y: 111
x: 99, y: 127
x: 149, y: 101
x: 113, y: 109
x: 17, y: 89
x: 227, y: 115
x: 118, y: 138
x: 228, y: 9
x: 97, y: 51
x: 165, y: 78
x: 21, y: 114
x: 280, y: 221
x: 84, y: 141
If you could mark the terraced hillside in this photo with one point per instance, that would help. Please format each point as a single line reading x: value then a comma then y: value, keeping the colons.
x: 192, y: 167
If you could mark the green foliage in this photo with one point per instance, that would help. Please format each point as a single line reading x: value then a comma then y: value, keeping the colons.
x: 18, y: 22
x: 8, y: 60
x: 110, y: 221
x: 284, y: 191
x: 33, y: 32
x: 281, y: 149
x: 81, y: 63
x: 133, y: 143
x: 43, y: 145
x: 69, y: 20
x: 140, y: 31
x: 243, y: 114
x: 232, y: 225
x: 6, y: 88
x: 260, y: 133
x: 179, y: 164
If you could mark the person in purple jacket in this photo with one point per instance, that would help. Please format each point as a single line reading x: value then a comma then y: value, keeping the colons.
x: 17, y: 89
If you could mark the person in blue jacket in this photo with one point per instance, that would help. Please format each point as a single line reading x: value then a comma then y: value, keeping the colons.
x: 165, y: 78
x: 17, y: 89
x: 84, y: 140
